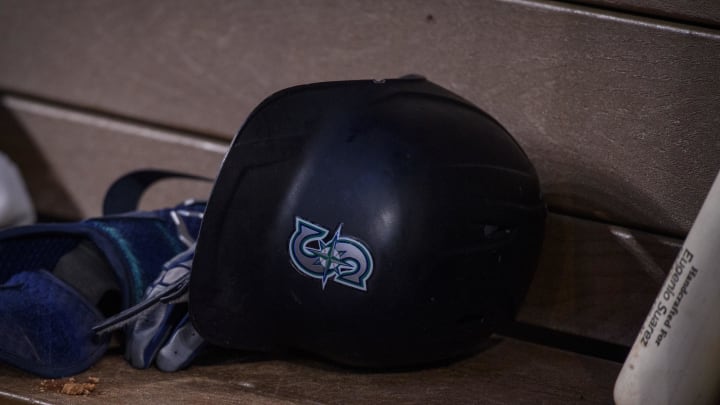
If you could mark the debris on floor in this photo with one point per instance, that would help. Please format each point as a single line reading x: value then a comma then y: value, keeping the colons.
x: 70, y: 386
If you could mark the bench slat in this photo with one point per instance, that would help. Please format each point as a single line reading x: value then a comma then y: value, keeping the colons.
x: 617, y: 112
x: 510, y: 371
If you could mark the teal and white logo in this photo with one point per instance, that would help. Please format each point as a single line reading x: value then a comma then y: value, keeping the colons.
x: 343, y: 259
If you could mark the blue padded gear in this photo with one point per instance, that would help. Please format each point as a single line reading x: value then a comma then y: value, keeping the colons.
x: 158, y: 328
x: 43, y: 320
x: 53, y: 319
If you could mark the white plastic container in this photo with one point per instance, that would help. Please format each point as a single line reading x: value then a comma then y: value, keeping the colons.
x: 676, y: 356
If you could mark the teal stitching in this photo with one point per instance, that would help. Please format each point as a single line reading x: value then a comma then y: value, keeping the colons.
x: 169, y: 236
x: 137, y: 289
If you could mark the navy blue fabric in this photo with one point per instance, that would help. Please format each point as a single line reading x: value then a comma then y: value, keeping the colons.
x: 31, y: 253
x: 144, y: 245
x: 43, y: 319
x: 136, y: 245
x: 125, y: 193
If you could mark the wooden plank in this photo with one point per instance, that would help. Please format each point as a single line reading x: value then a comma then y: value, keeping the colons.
x: 70, y: 158
x: 509, y: 371
x: 597, y: 280
x: 703, y: 12
x: 594, y: 280
x: 618, y: 113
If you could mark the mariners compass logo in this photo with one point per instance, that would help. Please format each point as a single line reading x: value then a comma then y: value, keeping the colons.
x: 342, y: 258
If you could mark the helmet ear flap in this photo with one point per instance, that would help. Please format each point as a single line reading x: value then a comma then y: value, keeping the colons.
x: 373, y: 223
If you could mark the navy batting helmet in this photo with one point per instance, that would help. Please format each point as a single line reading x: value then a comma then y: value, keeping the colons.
x: 374, y: 223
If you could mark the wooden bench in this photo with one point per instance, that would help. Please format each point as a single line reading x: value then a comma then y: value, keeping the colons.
x: 615, y: 102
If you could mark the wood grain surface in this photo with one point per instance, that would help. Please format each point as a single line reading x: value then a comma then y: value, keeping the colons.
x: 594, y: 281
x: 618, y: 112
x: 584, y: 267
x: 597, y: 280
x: 702, y: 12
x: 509, y: 371
x: 70, y: 158
x: 584, y: 264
